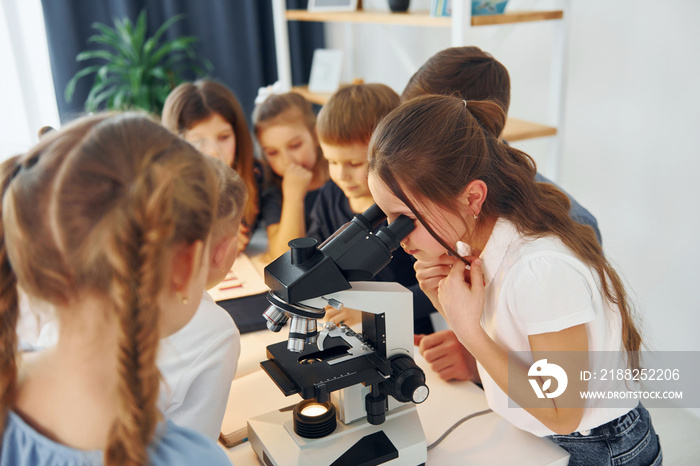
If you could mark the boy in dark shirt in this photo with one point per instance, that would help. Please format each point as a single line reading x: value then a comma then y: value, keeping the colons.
x: 344, y: 127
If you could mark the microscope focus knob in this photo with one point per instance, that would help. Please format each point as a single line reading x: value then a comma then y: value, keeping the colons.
x: 407, y: 381
x: 302, y: 249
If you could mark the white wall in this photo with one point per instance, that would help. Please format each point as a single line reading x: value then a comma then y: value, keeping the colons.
x: 631, y: 141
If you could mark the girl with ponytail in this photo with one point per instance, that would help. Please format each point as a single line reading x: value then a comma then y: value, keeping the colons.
x: 108, y: 221
x: 516, y: 278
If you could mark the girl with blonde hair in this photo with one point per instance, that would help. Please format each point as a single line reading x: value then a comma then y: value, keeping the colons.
x: 108, y: 221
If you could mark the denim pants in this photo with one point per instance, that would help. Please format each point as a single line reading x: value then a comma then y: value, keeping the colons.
x: 627, y: 440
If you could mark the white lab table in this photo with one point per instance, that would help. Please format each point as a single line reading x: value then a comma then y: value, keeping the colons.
x: 483, y: 440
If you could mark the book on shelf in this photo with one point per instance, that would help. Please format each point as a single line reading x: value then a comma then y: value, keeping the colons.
x: 440, y: 8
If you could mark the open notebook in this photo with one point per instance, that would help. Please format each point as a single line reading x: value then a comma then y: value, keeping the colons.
x: 244, y: 279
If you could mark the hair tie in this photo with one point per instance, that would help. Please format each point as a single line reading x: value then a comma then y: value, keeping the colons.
x: 465, y: 103
x: 266, y: 91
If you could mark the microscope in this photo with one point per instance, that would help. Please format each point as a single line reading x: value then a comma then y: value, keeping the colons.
x: 367, y: 380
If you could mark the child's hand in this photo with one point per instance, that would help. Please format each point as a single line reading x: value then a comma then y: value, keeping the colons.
x: 296, y: 181
x: 461, y: 302
x: 447, y: 356
x: 347, y: 316
x: 429, y: 274
x: 243, y: 238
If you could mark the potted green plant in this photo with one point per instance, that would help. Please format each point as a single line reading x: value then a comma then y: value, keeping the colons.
x: 138, y: 72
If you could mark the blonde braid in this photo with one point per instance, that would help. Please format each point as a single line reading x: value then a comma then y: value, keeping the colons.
x: 8, y: 309
x: 144, y: 230
x: 99, y: 213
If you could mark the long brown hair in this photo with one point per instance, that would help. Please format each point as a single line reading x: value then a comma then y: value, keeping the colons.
x: 284, y: 108
x: 433, y: 146
x: 190, y: 103
x: 232, y: 195
x: 467, y: 72
x: 95, y: 209
x: 353, y: 112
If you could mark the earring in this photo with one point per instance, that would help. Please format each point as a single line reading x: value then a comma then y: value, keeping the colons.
x: 183, y: 299
x: 476, y: 217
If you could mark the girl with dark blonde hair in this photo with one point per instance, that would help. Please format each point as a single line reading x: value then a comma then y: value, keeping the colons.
x: 539, y: 286
x: 208, y: 115
x: 108, y: 221
x: 285, y: 127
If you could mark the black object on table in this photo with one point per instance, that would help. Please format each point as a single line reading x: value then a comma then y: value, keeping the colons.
x: 247, y: 311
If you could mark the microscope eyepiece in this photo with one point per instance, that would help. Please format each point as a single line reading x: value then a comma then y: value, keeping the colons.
x: 371, y: 217
x: 302, y: 249
x: 397, y: 230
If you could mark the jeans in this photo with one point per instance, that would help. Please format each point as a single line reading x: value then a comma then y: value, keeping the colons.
x: 627, y: 440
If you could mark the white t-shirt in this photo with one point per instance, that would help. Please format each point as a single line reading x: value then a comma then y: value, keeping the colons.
x: 536, y: 286
x: 198, y: 363
x: 33, y: 316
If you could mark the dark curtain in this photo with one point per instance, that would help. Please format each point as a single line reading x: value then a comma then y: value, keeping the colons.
x: 236, y: 36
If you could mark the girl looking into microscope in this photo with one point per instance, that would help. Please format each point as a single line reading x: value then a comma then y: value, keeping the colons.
x: 538, y: 282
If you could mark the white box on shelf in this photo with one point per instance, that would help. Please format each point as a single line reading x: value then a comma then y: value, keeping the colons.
x: 325, y: 70
x: 332, y: 5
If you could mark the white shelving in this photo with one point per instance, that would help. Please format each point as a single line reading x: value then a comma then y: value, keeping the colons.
x: 460, y: 24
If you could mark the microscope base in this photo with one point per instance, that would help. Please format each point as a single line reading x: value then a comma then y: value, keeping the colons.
x: 398, y: 441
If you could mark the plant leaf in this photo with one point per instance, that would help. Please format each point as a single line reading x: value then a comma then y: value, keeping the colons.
x: 120, y: 100
x: 148, y: 47
x: 70, y: 87
x: 109, y: 37
x: 103, y: 54
x: 138, y: 71
x: 100, y: 87
x: 92, y: 104
x: 124, y: 29
x: 159, y: 73
x: 139, y: 33
x: 180, y: 44
x: 166, y: 25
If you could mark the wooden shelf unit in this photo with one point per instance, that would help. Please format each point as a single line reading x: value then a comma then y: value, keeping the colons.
x: 419, y: 18
x: 459, y: 24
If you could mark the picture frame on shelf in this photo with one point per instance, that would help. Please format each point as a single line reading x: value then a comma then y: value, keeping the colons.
x: 332, y: 5
x: 325, y: 70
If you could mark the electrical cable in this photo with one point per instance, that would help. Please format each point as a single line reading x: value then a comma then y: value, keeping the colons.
x: 455, y: 425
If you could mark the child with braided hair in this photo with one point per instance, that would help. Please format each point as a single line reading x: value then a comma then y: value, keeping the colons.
x: 199, y: 361
x: 108, y: 221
